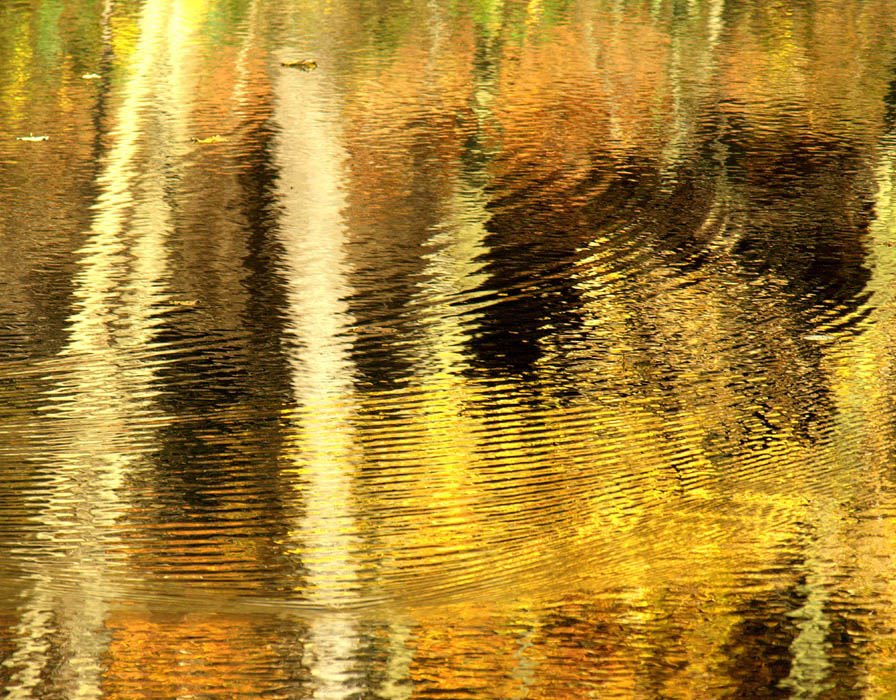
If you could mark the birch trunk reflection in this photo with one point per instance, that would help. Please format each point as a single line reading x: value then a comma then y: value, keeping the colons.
x: 104, y: 384
x: 310, y: 159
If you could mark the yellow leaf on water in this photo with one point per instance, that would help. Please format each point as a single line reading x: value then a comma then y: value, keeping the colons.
x: 211, y: 139
x: 304, y: 64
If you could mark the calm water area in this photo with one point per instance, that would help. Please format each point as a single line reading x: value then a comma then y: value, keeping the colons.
x: 416, y: 349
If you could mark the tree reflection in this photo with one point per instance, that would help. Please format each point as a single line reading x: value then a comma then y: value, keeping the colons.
x: 523, y: 348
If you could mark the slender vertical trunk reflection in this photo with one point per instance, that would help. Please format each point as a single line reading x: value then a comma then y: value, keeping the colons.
x: 310, y: 158
x: 861, y: 361
x: 453, y: 269
x: 105, y: 386
x: 809, y: 650
x: 396, y: 685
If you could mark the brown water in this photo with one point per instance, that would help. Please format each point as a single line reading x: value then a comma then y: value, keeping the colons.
x: 518, y: 349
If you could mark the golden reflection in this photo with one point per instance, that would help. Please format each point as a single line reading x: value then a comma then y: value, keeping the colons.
x: 18, y: 56
x: 193, y: 655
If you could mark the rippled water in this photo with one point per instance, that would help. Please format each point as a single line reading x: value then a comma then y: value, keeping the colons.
x: 512, y: 349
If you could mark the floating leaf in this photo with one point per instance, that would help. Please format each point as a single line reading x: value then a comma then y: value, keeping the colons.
x: 303, y: 64
x: 91, y: 76
x: 211, y: 139
x: 32, y: 137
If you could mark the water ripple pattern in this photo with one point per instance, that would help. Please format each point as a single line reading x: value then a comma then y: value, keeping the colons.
x: 411, y: 350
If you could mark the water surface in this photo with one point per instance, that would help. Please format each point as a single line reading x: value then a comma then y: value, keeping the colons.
x: 518, y: 349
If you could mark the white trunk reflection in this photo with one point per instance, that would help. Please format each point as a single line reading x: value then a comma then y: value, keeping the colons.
x: 310, y: 159
x: 104, y: 386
